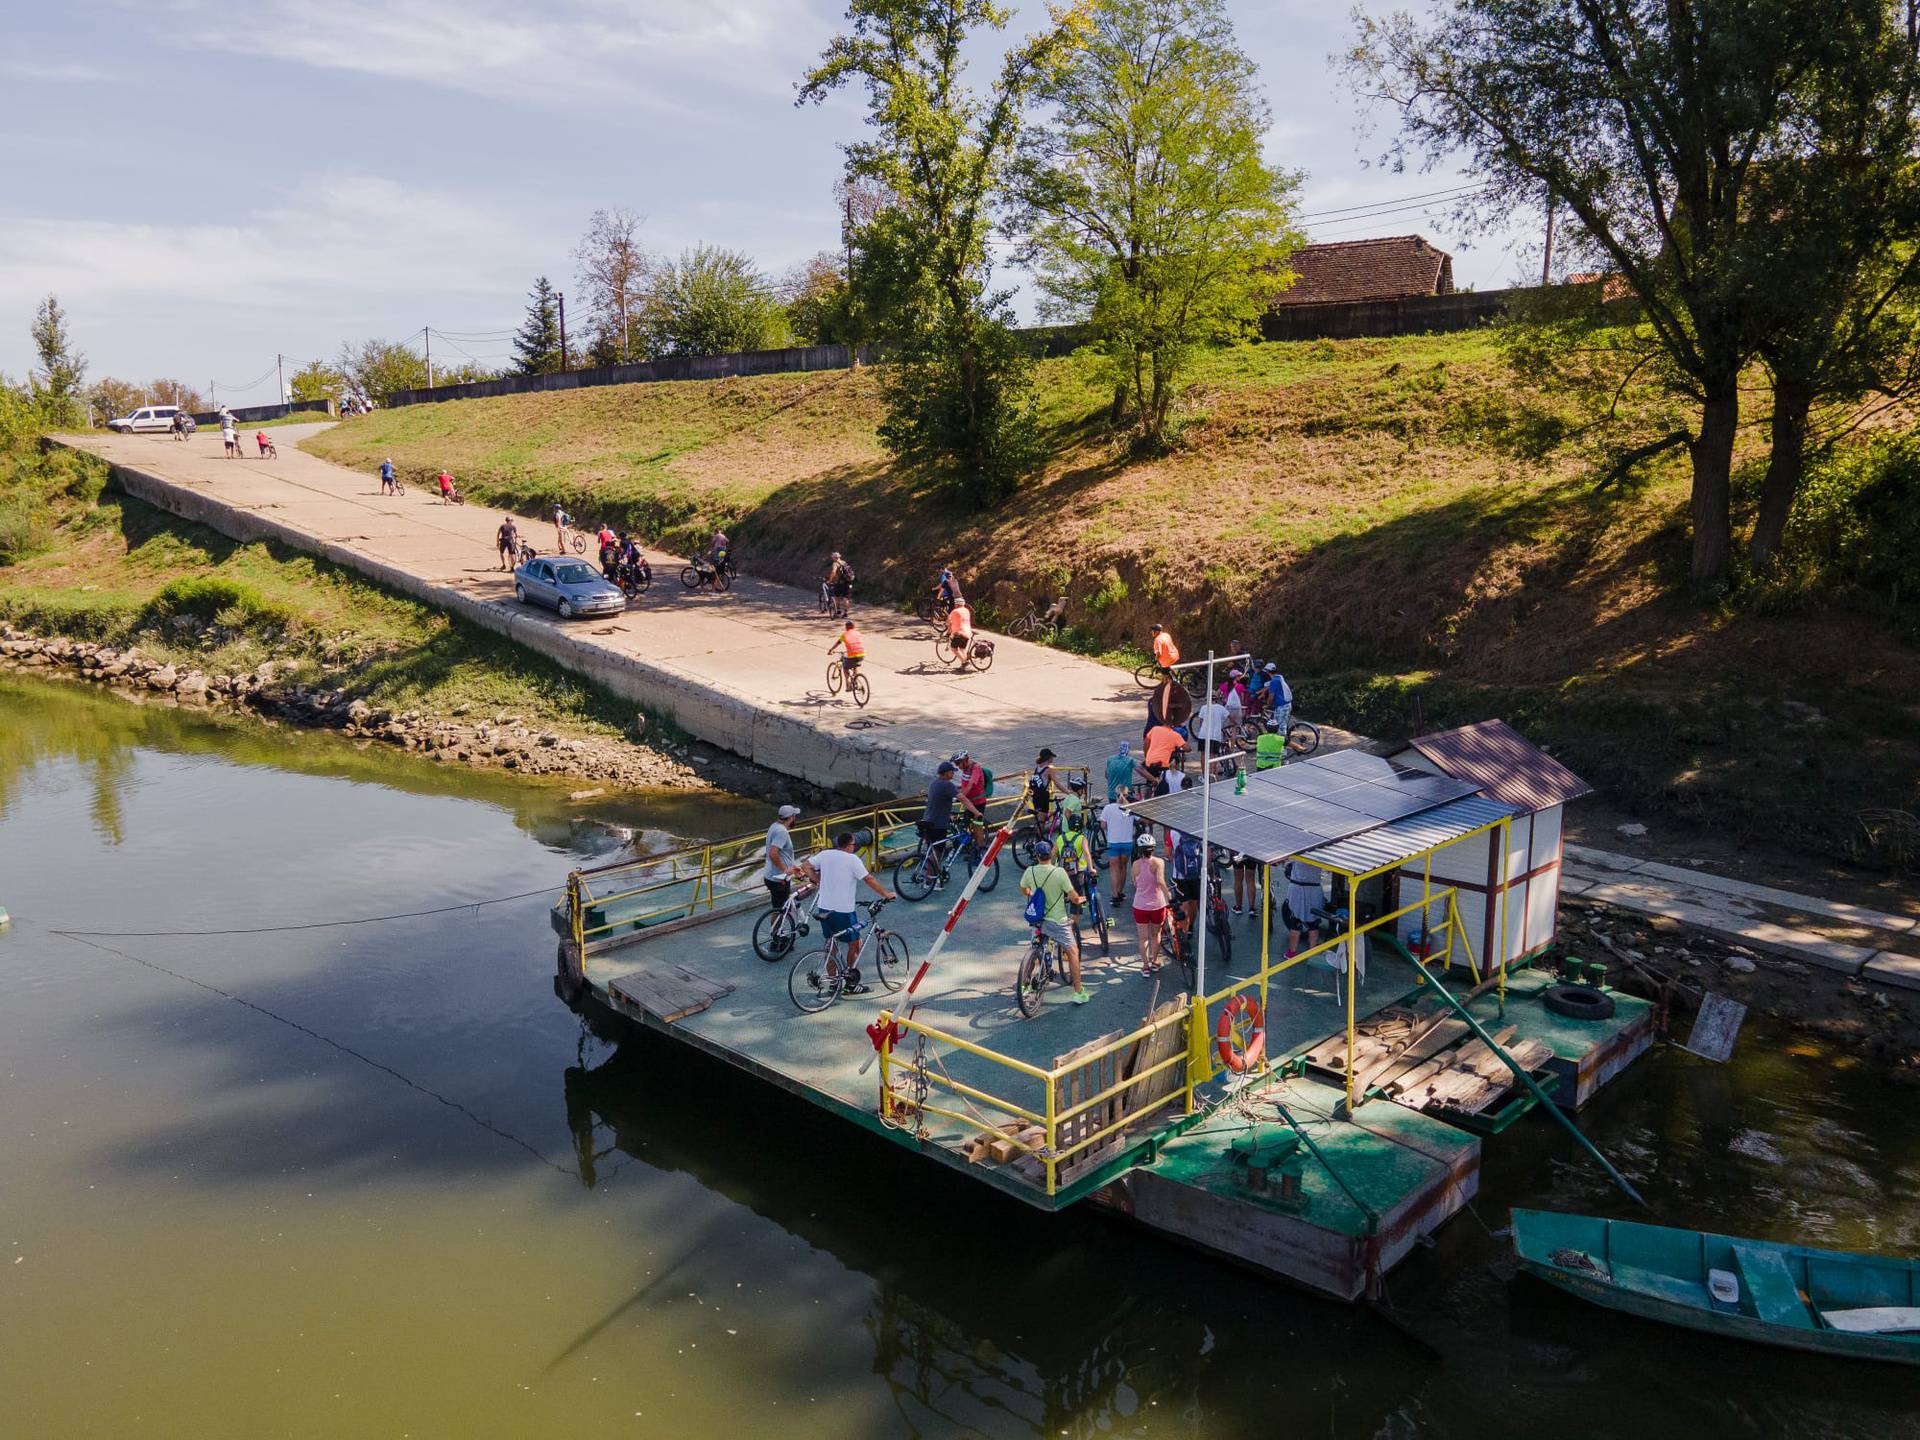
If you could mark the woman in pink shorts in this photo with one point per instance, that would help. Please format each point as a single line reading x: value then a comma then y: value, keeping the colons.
x: 1150, y: 901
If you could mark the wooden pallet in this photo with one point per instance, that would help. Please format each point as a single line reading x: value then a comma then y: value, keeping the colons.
x: 668, y: 992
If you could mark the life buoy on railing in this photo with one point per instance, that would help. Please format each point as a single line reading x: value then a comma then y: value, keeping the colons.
x: 1241, y: 1007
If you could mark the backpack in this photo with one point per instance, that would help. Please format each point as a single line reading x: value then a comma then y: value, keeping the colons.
x: 986, y: 786
x: 1036, y: 910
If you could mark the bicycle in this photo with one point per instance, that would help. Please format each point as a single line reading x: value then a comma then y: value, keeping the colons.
x: 1088, y: 884
x: 819, y: 977
x: 1044, y: 965
x: 779, y: 930
x: 702, y: 576
x: 1219, y: 931
x: 929, y: 867
x: 1150, y: 675
x: 979, y: 654
x: 854, y: 679
x: 1303, y: 737
x: 1040, y: 626
x: 933, y: 609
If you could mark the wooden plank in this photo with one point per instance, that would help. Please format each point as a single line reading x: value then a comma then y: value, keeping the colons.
x: 1162, y: 1044
x: 1083, y: 1083
x: 669, y: 992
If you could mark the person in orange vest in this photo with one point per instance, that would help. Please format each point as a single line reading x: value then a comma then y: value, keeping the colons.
x: 1164, y: 744
x: 1166, y: 654
x: 854, y: 646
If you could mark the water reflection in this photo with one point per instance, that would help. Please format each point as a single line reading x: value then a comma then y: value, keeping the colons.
x: 987, y: 1316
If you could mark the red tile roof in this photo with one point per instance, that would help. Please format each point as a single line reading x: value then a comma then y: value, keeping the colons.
x: 1390, y: 268
x: 1503, y: 763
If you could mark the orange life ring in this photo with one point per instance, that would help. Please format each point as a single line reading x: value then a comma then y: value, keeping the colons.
x: 1240, y: 1061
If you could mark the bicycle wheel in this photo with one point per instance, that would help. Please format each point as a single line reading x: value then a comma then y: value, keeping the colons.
x: 578, y: 542
x: 1220, y: 938
x: 924, y: 609
x: 915, y: 876
x: 983, y: 658
x: 816, y: 979
x: 1303, y: 738
x: 1032, y: 981
x: 1023, y: 855
x: 891, y: 957
x: 992, y: 877
x: 862, y: 691
x: 941, y: 651
x: 1097, y: 912
x: 1147, y: 676
x: 774, y: 934
x: 834, y: 677
x: 724, y: 579
x: 690, y: 577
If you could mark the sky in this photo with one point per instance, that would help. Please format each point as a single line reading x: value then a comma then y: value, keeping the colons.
x: 207, y: 184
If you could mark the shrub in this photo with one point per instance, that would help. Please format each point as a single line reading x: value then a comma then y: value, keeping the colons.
x: 1855, y: 528
x: 215, y: 597
x: 24, y: 529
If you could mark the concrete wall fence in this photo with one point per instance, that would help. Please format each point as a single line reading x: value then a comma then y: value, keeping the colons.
x: 1334, y: 320
x: 253, y: 414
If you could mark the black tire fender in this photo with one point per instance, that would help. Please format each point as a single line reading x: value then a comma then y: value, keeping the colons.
x: 1577, y: 1002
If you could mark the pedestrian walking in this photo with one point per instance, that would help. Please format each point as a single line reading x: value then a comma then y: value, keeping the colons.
x: 508, y: 539
x: 1120, y: 777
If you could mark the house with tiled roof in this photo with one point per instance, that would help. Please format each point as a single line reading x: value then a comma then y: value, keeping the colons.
x: 1393, y: 267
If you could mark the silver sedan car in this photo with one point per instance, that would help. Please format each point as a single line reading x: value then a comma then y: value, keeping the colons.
x: 569, y: 586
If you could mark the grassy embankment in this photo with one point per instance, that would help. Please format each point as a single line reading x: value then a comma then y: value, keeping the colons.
x: 80, y: 560
x: 1373, y: 513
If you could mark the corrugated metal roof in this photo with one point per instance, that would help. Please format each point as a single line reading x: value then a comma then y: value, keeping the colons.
x: 1502, y: 762
x: 1410, y: 835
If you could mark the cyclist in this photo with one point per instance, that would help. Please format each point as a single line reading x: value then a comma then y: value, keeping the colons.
x: 839, y: 582
x: 946, y: 589
x: 1165, y: 747
x: 507, y: 538
x: 720, y: 553
x: 1150, y: 899
x: 1279, y: 700
x: 936, y: 818
x: 386, y: 476
x: 839, y: 873
x: 266, y: 445
x: 629, y: 552
x: 777, y: 874
x: 854, y: 647
x: 1166, y: 654
x: 960, y: 633
x: 972, y: 777
x: 1073, y: 805
x: 1047, y: 879
x: 561, y: 520
x: 1040, y: 786
x: 1076, y: 856
x: 445, y: 481
x: 609, y: 552
x: 1185, y: 868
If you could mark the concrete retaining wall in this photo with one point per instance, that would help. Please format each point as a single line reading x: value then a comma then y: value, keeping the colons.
x: 793, y: 360
x: 735, y: 722
x: 1413, y: 315
x: 253, y: 414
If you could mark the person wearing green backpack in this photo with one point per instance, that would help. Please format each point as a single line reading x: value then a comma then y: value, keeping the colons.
x: 1049, y: 891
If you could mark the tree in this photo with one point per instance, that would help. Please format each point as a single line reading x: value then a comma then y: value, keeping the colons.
x: 1845, y: 201
x: 612, y: 276
x: 713, y: 302
x: 317, y: 380
x: 113, y: 397
x: 1646, y: 121
x: 1150, y: 207
x: 176, y: 392
x: 819, y: 302
x: 57, y: 380
x: 536, y: 349
x: 376, y: 369
x: 957, y: 385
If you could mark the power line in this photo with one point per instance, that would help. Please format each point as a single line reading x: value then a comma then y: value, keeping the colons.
x: 306, y: 925
x: 1452, y: 191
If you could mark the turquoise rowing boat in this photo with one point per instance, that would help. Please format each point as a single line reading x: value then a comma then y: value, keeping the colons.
x: 1829, y: 1301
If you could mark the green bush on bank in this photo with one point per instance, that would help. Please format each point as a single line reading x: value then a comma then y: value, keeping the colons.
x: 1854, y: 536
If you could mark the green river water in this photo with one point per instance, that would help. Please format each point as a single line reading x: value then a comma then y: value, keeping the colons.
x: 375, y: 1180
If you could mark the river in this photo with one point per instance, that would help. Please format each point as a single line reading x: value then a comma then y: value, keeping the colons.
x: 375, y: 1180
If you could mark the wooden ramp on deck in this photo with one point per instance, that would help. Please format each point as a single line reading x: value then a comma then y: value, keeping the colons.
x: 669, y: 992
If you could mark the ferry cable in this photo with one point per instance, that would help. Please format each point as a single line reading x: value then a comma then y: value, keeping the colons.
x: 346, y: 1050
x: 473, y: 905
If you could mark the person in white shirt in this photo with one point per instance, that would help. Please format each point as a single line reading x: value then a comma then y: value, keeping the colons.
x: 1209, y: 723
x: 839, y: 873
x: 1117, y: 821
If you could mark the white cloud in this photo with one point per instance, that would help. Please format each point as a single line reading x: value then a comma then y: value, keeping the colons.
x: 63, y: 72
x: 554, y: 52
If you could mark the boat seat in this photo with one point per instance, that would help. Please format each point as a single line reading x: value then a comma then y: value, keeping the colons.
x: 1771, y: 1287
x: 1655, y: 1284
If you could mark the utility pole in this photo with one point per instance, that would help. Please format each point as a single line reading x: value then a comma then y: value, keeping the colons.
x: 561, y: 296
x: 1546, y: 260
x: 280, y: 374
x: 428, y: 332
x: 846, y: 247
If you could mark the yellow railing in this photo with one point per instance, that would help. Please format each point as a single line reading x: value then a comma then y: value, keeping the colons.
x: 698, y: 879
x: 926, y: 1075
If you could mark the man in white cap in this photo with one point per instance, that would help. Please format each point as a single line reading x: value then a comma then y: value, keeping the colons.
x: 777, y: 873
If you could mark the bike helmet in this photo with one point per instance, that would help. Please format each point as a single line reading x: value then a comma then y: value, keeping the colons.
x: 1143, y: 844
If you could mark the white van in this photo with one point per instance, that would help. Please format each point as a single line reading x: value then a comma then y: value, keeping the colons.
x: 147, y: 417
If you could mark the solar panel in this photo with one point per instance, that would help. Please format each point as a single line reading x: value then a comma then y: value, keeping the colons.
x: 1380, y: 804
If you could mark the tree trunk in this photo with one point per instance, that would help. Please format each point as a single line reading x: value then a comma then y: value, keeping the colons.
x: 1792, y: 400
x: 1713, y: 485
